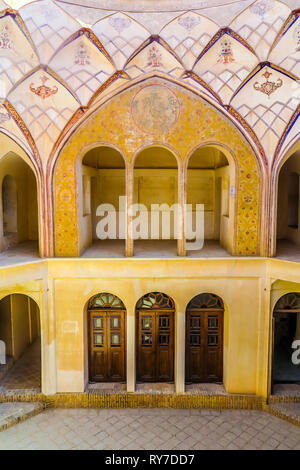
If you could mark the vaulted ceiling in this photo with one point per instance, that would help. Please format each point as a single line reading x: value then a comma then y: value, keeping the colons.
x: 57, y: 56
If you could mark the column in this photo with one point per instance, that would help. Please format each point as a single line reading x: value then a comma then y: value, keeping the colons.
x: 181, y: 242
x: 131, y: 352
x: 48, y: 338
x: 129, y: 198
x: 180, y: 351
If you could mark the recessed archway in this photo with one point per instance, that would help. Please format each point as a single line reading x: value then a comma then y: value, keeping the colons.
x: 155, y: 224
x: 19, y: 206
x: 288, y: 228
x: 210, y: 183
x: 199, y: 123
x: 286, y: 340
x: 204, y: 339
x: 20, y: 331
x: 102, y: 189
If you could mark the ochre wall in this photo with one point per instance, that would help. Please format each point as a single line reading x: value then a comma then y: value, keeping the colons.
x: 5, y: 325
x: 283, y: 230
x: 198, y: 124
x: 27, y: 205
x: 249, y: 297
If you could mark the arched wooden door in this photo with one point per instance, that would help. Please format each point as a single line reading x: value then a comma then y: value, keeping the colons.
x: 155, y: 338
x: 107, y: 335
x: 204, y: 339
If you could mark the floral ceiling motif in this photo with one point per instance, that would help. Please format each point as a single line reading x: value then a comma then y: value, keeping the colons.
x: 56, y: 60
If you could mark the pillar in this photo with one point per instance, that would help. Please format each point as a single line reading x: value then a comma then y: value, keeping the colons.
x: 131, y: 352
x: 181, y: 242
x: 48, y: 339
x: 129, y: 200
x: 180, y: 351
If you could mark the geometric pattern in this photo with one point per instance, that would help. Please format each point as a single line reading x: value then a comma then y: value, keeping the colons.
x: 187, y: 35
x: 260, y: 23
x: 17, y: 56
x: 267, y: 115
x: 224, y: 71
x: 83, y: 65
x: 45, y: 118
x: 49, y: 26
x: 154, y: 55
x: 190, y: 47
x: 9, y: 127
x: 121, y: 36
x: 149, y: 429
x: 285, y: 51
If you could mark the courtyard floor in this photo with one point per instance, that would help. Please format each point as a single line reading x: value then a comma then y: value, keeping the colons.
x: 152, y: 429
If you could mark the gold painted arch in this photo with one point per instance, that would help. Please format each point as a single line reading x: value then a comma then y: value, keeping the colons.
x: 199, y: 123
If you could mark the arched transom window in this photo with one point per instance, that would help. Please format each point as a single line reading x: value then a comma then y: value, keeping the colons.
x: 289, y: 302
x: 155, y: 300
x: 206, y: 301
x: 106, y: 301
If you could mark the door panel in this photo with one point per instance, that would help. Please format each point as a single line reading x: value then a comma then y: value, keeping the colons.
x: 155, y: 346
x: 165, y: 348
x: 204, y: 346
x: 107, y: 346
x: 146, y: 347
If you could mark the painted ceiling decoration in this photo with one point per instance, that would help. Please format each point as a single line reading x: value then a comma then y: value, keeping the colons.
x: 59, y: 59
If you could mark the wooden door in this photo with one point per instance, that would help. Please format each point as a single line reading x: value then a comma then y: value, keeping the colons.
x: 107, y: 346
x: 155, y: 346
x: 204, y: 345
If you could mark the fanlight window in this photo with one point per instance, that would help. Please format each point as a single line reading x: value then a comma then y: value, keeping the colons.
x: 106, y: 301
x: 155, y: 300
x: 288, y: 302
x: 206, y: 301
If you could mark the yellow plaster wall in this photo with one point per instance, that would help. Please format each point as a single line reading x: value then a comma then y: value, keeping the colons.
x: 6, y: 326
x: 283, y: 230
x: 62, y: 289
x: 198, y: 124
x: 131, y: 280
x: 20, y: 324
x: 27, y: 207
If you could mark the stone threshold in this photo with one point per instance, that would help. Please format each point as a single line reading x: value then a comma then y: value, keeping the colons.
x: 140, y: 400
x: 12, y: 413
x: 288, y: 411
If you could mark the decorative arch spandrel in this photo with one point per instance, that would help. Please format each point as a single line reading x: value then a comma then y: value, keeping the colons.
x: 171, y: 117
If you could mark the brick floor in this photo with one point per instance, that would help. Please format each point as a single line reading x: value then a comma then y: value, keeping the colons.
x: 11, y: 413
x: 290, y: 410
x: 153, y: 429
x: 25, y: 373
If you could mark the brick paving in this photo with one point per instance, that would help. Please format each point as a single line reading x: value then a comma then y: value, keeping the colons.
x: 290, y: 410
x: 153, y: 429
x: 11, y: 413
x: 25, y: 374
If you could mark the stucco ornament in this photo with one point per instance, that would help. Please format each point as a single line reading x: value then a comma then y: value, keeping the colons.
x: 43, y: 91
x: 6, y: 41
x: 226, y: 54
x: 262, y: 8
x: 189, y: 22
x: 4, y: 115
x: 268, y: 87
x: 297, y: 38
x: 155, y: 109
x: 119, y: 24
x: 82, y: 57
